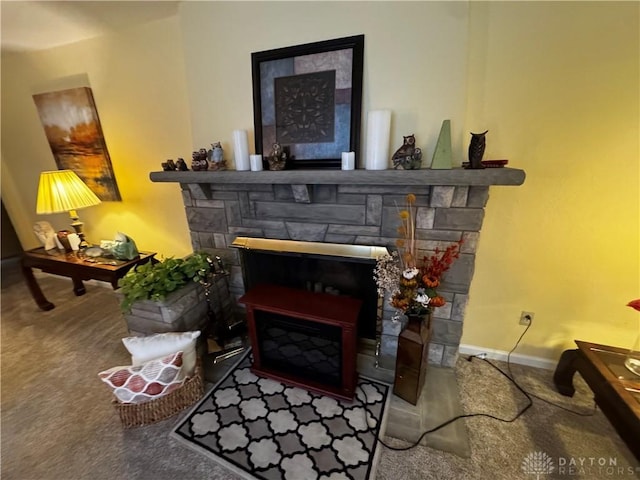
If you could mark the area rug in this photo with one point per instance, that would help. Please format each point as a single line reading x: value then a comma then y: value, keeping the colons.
x: 263, y: 429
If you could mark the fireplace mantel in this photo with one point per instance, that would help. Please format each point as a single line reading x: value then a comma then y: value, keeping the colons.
x: 454, y: 177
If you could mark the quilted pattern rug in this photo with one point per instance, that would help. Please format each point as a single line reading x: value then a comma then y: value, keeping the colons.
x: 264, y: 429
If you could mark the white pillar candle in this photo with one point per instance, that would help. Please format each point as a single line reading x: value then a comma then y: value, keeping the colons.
x: 348, y: 160
x: 378, y: 130
x: 256, y: 163
x: 241, y: 149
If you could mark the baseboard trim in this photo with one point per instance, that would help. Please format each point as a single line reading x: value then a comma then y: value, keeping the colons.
x: 501, y: 355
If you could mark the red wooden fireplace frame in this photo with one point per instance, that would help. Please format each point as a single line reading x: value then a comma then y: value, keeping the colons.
x: 339, y: 311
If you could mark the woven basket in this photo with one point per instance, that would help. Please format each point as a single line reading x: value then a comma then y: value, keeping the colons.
x: 139, y: 414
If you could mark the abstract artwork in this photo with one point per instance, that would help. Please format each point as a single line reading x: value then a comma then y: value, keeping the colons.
x: 305, y: 108
x: 308, y: 98
x: 72, y: 127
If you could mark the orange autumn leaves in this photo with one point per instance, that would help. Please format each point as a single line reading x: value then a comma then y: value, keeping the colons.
x: 415, y: 284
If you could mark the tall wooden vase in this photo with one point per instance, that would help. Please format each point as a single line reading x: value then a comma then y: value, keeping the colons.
x: 412, y: 358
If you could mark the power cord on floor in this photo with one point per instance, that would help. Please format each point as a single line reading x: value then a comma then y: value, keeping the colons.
x: 509, y: 376
x: 549, y: 402
x: 468, y: 415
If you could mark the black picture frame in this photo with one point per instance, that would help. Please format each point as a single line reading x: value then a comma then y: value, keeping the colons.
x: 304, y: 84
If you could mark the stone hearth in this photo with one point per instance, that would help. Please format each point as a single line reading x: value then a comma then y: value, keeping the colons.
x: 349, y: 207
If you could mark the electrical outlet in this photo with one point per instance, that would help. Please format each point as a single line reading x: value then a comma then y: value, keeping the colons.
x: 526, y: 318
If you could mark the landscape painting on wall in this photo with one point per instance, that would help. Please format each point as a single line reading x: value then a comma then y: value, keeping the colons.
x: 72, y: 127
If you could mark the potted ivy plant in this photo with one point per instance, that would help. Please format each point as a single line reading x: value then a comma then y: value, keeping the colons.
x: 165, y: 296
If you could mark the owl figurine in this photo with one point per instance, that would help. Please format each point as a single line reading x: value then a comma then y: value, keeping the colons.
x: 277, y: 159
x: 476, y: 149
x: 408, y: 156
x: 216, y: 157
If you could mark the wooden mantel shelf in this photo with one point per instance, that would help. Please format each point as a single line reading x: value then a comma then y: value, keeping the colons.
x: 455, y: 176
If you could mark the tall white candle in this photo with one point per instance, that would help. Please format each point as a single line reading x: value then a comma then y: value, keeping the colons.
x: 348, y: 160
x: 241, y: 149
x: 378, y: 130
x: 256, y: 163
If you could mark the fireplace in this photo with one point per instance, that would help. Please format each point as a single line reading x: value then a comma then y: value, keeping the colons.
x: 317, y: 267
x: 354, y: 208
x: 307, y: 303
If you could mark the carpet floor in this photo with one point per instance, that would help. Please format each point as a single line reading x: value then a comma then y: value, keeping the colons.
x: 58, y: 423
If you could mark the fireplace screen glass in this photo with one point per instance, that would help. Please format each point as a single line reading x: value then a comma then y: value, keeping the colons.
x: 299, y: 347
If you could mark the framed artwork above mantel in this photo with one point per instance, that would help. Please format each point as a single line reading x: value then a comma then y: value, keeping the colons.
x: 308, y: 98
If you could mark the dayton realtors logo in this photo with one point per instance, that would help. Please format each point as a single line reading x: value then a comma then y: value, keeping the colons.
x: 539, y: 463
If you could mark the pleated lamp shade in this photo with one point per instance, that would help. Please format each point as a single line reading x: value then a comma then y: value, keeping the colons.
x: 62, y: 191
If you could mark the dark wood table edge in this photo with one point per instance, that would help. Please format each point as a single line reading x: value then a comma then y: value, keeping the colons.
x: 78, y: 273
x: 620, y: 408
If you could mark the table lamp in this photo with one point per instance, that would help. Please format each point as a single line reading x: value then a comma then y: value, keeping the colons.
x: 62, y: 191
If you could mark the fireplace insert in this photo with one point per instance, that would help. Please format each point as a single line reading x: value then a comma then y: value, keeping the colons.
x: 309, y: 349
x: 339, y: 269
x: 304, y: 338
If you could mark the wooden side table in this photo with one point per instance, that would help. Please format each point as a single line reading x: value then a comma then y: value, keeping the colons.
x: 77, y: 267
x: 616, y: 389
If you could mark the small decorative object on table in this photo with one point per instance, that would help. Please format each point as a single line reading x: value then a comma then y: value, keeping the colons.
x: 412, y: 285
x: 122, y: 247
x: 63, y: 238
x: 476, y: 150
x: 47, y: 235
x: 408, y: 156
x: 632, y: 361
x: 277, y: 158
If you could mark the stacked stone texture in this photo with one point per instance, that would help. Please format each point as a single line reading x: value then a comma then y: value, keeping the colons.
x: 348, y: 214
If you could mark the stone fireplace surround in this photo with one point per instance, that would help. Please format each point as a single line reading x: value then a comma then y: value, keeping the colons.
x: 348, y: 207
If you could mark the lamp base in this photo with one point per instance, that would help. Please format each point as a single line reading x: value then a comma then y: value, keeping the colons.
x: 77, y: 226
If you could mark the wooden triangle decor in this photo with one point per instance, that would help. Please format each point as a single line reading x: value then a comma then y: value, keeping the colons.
x: 442, y: 154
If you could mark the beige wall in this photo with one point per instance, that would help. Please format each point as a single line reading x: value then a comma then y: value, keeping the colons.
x: 555, y: 83
x: 138, y: 82
x: 415, y: 60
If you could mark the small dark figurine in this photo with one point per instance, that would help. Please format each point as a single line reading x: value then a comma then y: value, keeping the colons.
x: 277, y: 158
x: 169, y: 166
x: 199, y: 160
x: 476, y: 149
x: 408, y: 156
x: 181, y: 165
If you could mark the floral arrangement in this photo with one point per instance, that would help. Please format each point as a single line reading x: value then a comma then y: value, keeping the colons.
x: 413, y: 283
